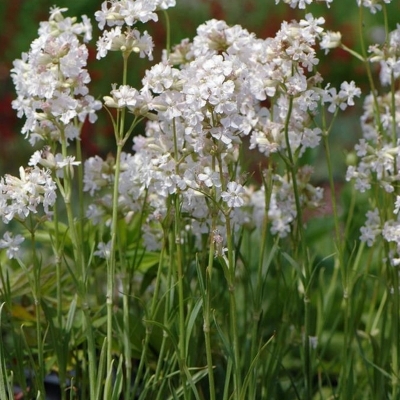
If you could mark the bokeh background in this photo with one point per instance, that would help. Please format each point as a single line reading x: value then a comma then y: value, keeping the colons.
x: 19, y: 21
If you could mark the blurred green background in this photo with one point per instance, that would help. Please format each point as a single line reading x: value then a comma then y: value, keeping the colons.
x: 19, y: 20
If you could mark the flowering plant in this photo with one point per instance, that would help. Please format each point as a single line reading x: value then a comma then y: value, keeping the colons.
x: 177, y: 272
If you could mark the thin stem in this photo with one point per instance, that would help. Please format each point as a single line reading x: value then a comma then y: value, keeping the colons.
x: 57, y: 254
x: 395, y: 332
x: 167, y: 33
x: 80, y: 262
x: 237, y: 380
x: 207, y: 336
x: 111, y: 264
x: 80, y: 188
x: 167, y: 311
x: 179, y: 268
x: 368, y: 70
x: 153, y: 309
x: 126, y: 323
x: 207, y: 314
x: 292, y: 167
x: 37, y: 301
x: 259, y: 287
x: 333, y: 203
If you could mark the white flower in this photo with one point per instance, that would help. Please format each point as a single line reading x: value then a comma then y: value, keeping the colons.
x: 311, y: 25
x: 330, y: 40
x: 372, y: 227
x: 342, y: 99
x: 373, y: 5
x: 62, y: 163
x: 21, y: 196
x: 397, y: 205
x: 311, y: 137
x: 129, y: 11
x: 348, y: 91
x: 103, y: 250
x: 97, y: 174
x: 210, y: 177
x: 302, y: 3
x: 12, y: 244
x: 294, y: 3
x: 124, y: 96
x: 234, y: 194
x: 51, y: 80
x: 313, y: 341
x: 131, y: 40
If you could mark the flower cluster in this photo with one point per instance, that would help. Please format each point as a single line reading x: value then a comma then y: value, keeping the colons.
x: 282, y: 211
x: 372, y: 5
x: 201, y: 101
x: 388, y: 57
x: 11, y: 244
x: 118, y: 14
x: 302, y: 3
x: 51, y: 80
x: 378, y: 150
x: 21, y: 196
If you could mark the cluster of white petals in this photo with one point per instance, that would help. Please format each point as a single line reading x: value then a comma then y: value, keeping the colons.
x: 128, y: 12
x: 128, y: 41
x: 372, y: 5
x: 303, y: 3
x: 11, y: 244
x: 378, y: 151
x: 388, y: 57
x: 21, y: 196
x: 57, y: 163
x: 120, y: 16
x: 51, y: 80
x: 282, y: 210
x: 204, y: 98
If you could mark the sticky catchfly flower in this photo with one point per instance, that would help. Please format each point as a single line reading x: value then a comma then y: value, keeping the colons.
x: 233, y: 196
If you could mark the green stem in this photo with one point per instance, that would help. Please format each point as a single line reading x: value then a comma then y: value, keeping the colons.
x: 368, y: 70
x: 207, y: 315
x: 179, y: 269
x: 292, y: 167
x: 334, y: 206
x: 80, y: 188
x: 111, y: 264
x: 152, y: 316
x: 167, y: 33
x: 395, y: 332
x: 127, y: 325
x: 37, y: 301
x: 258, y: 293
x: 57, y: 254
x: 81, y: 265
x: 237, y: 380
x: 179, y: 272
x: 167, y: 312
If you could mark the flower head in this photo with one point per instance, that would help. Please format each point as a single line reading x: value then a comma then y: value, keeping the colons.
x: 233, y: 196
x: 51, y: 80
x: 12, y: 244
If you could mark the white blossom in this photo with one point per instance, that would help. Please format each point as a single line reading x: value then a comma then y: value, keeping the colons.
x: 51, y: 80
x: 233, y: 196
x: 12, y: 244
